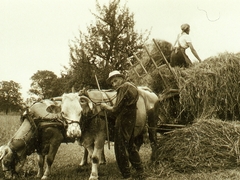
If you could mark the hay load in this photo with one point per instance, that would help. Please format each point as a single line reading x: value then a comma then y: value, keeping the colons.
x: 204, y: 146
x: 208, y: 89
x: 211, y: 88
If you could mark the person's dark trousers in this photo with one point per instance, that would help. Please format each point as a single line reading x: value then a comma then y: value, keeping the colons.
x: 177, y: 59
x: 125, y: 149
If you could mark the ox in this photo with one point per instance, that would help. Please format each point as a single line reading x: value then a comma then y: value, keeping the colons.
x: 146, y: 113
x: 43, y: 132
x: 93, y: 124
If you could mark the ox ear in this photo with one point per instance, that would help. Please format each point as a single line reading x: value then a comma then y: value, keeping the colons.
x: 85, y: 100
x: 53, y: 109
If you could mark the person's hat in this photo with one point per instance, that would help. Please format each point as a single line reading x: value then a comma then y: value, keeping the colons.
x: 114, y: 73
x: 184, y: 27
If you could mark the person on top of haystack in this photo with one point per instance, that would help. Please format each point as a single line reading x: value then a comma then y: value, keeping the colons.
x: 125, y: 109
x: 183, y: 41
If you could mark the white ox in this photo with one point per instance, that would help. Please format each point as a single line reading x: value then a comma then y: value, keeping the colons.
x: 39, y: 132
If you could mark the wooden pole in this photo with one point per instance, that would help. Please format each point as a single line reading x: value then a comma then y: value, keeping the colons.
x: 168, y: 65
x: 105, y: 114
x: 155, y: 64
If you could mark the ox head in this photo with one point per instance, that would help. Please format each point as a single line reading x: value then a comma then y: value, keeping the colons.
x: 71, y: 111
x: 86, y: 104
x: 8, y: 162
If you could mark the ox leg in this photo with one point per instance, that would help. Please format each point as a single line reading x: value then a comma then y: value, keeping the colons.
x: 103, y: 158
x: 138, y: 141
x: 152, y: 123
x: 40, y: 159
x: 54, y: 137
x: 20, y: 164
x: 95, y: 158
x: 84, y: 157
x: 50, y: 158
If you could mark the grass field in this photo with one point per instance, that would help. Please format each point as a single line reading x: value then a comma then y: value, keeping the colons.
x: 69, y: 155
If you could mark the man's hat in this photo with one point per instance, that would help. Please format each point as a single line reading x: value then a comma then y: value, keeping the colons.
x: 114, y: 73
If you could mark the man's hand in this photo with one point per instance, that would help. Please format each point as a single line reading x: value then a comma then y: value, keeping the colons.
x: 104, y: 106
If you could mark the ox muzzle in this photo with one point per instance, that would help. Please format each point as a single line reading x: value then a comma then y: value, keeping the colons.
x: 9, y: 162
x: 73, y: 129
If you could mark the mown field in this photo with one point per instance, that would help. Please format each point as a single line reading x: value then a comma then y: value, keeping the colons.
x: 68, y: 157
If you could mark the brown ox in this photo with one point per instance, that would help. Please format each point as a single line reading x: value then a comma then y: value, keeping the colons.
x: 93, y: 123
x: 44, y: 132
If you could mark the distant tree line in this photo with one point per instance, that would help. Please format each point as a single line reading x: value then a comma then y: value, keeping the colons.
x: 10, y: 96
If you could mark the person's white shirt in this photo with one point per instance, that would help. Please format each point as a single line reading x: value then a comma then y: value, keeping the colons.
x: 184, y: 39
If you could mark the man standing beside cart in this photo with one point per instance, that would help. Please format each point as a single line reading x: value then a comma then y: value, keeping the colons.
x: 125, y: 109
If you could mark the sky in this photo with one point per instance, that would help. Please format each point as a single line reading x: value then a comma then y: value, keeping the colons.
x: 35, y: 34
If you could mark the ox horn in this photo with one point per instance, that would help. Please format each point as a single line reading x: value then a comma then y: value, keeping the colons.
x: 73, y: 90
x: 90, y: 104
x: 57, y: 99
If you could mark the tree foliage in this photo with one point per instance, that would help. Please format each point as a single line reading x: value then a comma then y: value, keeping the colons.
x: 10, y: 97
x: 106, y: 46
x: 45, y: 84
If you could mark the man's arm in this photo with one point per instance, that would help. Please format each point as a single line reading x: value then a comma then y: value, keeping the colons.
x: 106, y: 106
x: 194, y: 51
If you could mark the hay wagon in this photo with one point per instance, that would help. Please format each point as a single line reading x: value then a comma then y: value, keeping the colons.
x: 205, y: 90
x: 203, y: 98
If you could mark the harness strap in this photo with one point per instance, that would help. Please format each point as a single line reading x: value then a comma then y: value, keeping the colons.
x: 94, y: 101
x: 109, y: 99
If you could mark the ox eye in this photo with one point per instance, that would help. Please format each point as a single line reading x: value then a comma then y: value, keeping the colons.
x: 82, y: 101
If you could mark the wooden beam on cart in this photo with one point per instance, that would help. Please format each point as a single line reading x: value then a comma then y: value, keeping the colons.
x: 135, y: 55
x: 166, y: 128
x: 168, y: 65
x: 133, y: 66
x: 157, y: 67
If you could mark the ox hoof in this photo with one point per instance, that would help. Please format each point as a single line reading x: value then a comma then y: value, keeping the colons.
x: 82, y: 164
x: 39, y: 176
x: 93, y: 178
x: 45, y: 177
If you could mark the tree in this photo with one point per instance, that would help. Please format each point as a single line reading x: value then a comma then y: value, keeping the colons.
x: 107, y: 44
x: 10, y: 97
x: 45, y: 84
x: 82, y: 71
